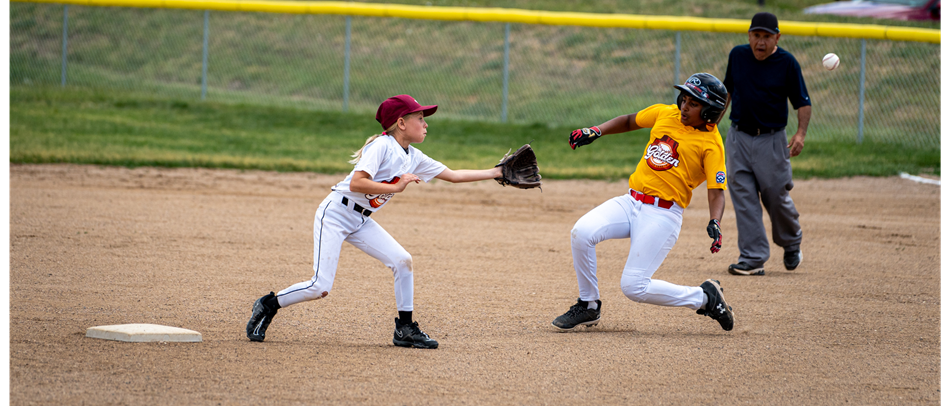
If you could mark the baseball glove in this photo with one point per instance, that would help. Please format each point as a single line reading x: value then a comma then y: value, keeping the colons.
x: 519, y: 169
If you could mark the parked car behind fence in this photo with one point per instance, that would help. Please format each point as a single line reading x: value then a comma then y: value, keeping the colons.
x: 890, y: 9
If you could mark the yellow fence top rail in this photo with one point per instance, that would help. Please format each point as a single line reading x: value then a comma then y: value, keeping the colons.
x: 508, y: 15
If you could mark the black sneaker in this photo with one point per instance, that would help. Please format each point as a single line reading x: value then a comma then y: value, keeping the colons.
x: 792, y: 260
x: 716, y: 306
x: 261, y: 318
x: 409, y: 335
x: 579, y: 315
x: 743, y: 269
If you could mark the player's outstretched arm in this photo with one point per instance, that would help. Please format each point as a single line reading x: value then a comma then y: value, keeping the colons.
x: 620, y: 124
x: 586, y: 136
x: 468, y: 175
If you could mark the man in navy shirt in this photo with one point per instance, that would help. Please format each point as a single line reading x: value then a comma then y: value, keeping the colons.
x: 761, y: 79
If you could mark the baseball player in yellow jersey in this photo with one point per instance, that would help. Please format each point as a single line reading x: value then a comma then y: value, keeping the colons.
x: 683, y: 151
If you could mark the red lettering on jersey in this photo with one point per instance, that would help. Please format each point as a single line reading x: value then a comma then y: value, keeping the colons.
x: 662, y: 154
x: 378, y: 200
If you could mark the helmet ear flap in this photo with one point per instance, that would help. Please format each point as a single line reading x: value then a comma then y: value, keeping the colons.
x: 711, y: 114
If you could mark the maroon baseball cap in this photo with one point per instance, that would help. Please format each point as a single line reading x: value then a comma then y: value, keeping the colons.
x: 398, y: 106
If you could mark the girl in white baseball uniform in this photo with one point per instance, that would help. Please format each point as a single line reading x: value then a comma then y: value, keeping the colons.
x: 385, y: 165
x: 683, y: 151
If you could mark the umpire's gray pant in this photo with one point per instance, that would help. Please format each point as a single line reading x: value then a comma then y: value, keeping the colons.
x: 760, y: 170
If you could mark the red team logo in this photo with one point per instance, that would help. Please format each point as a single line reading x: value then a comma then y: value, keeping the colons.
x: 662, y: 154
x: 379, y: 200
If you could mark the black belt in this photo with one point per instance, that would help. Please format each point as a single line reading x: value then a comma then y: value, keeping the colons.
x: 356, y: 207
x: 757, y: 130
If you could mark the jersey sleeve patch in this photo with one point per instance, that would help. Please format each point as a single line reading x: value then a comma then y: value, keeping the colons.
x: 721, y: 177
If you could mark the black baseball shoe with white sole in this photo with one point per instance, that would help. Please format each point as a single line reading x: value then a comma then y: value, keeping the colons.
x: 579, y: 315
x: 409, y: 335
x: 716, y: 306
x: 792, y: 260
x: 261, y: 318
x: 744, y: 269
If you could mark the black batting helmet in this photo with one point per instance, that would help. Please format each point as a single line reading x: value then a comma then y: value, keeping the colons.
x: 709, y: 91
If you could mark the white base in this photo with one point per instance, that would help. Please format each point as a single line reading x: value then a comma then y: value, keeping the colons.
x: 919, y: 179
x: 143, y: 333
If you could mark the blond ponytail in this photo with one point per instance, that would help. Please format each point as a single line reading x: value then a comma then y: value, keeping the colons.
x: 356, y: 155
x: 391, y: 131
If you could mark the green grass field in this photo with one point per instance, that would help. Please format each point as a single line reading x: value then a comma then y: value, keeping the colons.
x: 107, y: 127
x: 275, y: 84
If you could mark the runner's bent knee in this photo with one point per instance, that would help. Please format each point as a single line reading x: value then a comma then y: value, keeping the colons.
x: 400, y: 262
x: 635, y: 287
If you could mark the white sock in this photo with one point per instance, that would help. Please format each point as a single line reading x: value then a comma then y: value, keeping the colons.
x: 592, y: 305
x: 706, y: 300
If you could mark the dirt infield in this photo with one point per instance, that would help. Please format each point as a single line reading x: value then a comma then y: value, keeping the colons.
x: 857, y: 323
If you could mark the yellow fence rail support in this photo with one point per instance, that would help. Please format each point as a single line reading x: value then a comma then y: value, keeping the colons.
x: 507, y: 15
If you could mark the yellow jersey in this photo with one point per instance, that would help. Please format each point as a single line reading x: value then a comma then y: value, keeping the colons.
x: 678, y: 158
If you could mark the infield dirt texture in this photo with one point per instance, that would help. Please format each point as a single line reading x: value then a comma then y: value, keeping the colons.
x: 857, y: 323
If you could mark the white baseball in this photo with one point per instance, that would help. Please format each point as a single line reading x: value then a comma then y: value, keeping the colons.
x: 831, y: 61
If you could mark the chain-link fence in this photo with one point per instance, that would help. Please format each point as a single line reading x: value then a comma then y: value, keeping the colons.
x: 554, y: 75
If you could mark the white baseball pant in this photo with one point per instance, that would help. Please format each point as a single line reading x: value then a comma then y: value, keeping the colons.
x: 335, y: 223
x: 653, y: 232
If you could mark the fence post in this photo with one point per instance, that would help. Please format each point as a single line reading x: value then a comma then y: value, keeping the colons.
x: 860, y: 111
x: 65, y: 39
x: 676, y: 63
x: 205, y: 51
x: 503, y: 109
x: 346, y: 67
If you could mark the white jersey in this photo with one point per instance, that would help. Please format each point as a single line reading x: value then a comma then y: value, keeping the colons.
x: 385, y: 161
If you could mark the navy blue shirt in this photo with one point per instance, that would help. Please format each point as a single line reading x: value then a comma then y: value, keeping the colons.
x: 759, y: 89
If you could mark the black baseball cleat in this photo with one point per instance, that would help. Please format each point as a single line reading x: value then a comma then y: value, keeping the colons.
x: 261, y: 318
x: 743, y: 269
x: 716, y: 306
x: 409, y: 335
x: 792, y: 260
x: 579, y: 315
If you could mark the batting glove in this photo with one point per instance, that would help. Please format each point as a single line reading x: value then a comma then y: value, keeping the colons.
x: 713, y: 230
x: 584, y: 136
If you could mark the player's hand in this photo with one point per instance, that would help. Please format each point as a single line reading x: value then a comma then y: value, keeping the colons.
x: 584, y: 136
x: 796, y: 144
x: 405, y: 180
x: 713, y: 230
